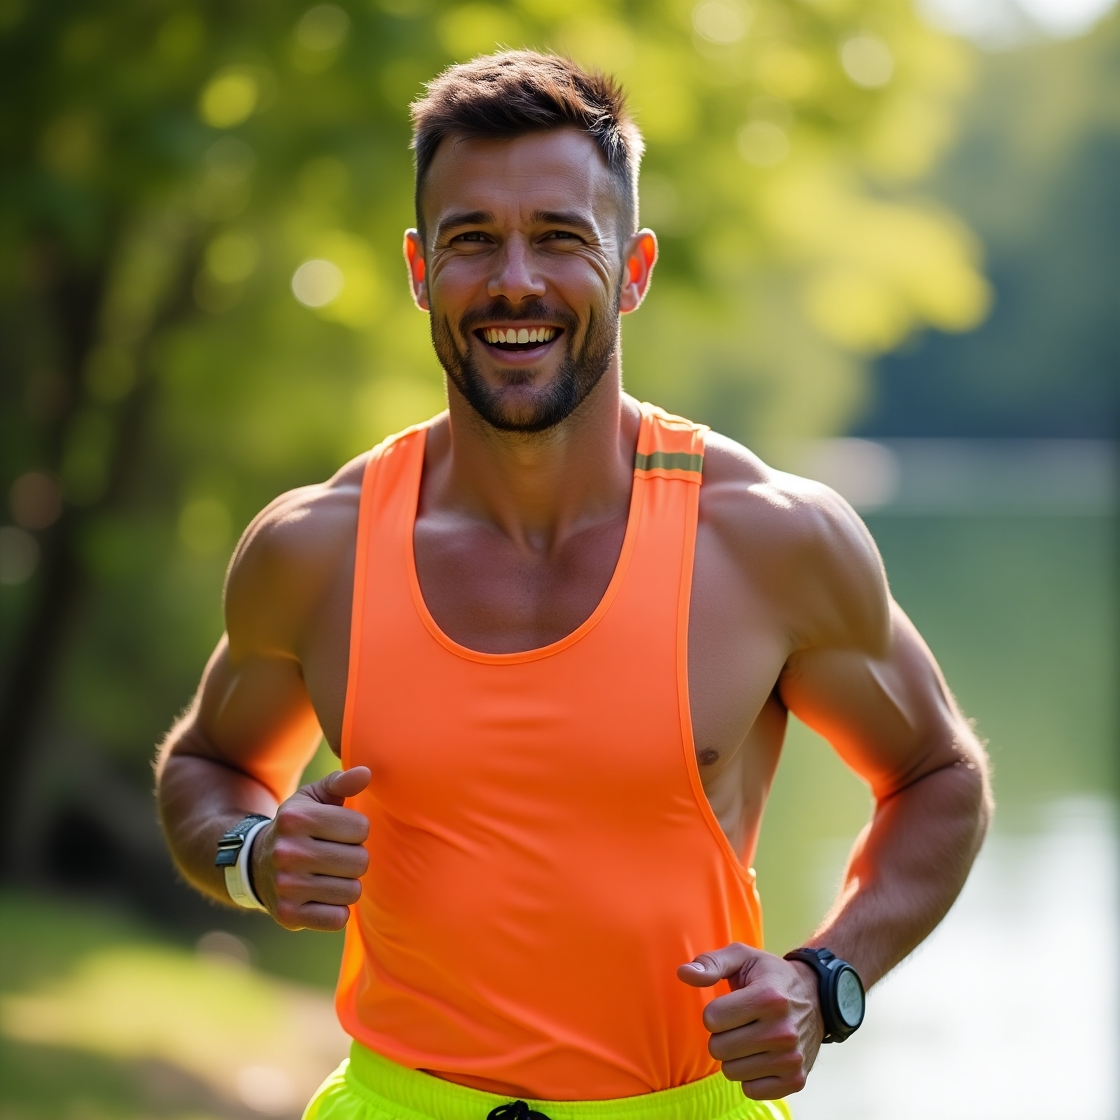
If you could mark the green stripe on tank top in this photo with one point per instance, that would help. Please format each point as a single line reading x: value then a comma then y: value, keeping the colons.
x: 669, y: 461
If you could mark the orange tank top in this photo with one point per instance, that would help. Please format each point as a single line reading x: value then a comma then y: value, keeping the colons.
x: 542, y: 854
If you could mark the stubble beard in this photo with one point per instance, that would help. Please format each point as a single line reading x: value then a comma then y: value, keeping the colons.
x: 537, y: 410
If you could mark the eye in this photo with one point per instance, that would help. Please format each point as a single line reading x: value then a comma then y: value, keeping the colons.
x: 475, y: 235
x: 560, y: 235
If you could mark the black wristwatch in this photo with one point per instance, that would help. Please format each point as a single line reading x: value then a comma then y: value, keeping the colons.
x: 841, y: 991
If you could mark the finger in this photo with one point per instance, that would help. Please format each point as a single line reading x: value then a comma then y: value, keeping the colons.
x: 296, y: 892
x: 720, y: 964
x: 739, y: 1042
x: 301, y: 817
x: 773, y: 1088
x: 314, y: 857
x: 313, y: 915
x: 338, y: 785
x: 783, y: 1065
x: 747, y: 1006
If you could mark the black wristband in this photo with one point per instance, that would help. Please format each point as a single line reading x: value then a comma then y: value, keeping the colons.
x: 841, y: 992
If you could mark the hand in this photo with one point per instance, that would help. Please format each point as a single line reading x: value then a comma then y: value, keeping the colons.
x: 307, y: 862
x: 767, y: 1031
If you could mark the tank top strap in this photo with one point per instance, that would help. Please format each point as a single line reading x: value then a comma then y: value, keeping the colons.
x: 669, y: 446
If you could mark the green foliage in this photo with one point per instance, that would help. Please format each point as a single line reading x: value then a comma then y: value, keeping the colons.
x: 1036, y: 172
x: 173, y: 166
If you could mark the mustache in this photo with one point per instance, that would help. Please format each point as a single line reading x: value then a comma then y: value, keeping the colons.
x: 535, y: 311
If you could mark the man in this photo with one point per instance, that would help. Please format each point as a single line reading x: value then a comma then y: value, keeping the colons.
x: 553, y: 635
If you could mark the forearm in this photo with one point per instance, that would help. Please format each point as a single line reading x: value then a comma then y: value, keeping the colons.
x: 199, y: 799
x: 907, y: 868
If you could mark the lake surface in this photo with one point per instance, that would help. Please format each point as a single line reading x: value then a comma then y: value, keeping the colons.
x: 1009, y: 1012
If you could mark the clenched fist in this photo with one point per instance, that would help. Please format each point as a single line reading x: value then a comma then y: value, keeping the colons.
x: 306, y: 864
x: 766, y: 1032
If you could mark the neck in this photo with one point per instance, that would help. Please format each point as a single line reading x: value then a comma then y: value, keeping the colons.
x: 536, y: 487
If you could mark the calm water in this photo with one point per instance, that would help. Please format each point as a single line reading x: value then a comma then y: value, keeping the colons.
x: 1022, y: 977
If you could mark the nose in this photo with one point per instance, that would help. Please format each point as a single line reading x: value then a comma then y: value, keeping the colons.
x: 515, y: 277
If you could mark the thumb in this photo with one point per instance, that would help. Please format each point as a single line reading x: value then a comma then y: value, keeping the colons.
x: 338, y: 785
x: 727, y: 963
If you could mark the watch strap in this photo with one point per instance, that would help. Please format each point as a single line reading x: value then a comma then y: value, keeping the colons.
x: 234, y: 852
x: 231, y: 843
x: 828, y: 966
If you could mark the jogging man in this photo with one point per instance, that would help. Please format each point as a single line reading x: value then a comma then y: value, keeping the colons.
x: 554, y: 635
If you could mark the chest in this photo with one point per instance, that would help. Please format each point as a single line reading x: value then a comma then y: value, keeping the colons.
x: 489, y: 596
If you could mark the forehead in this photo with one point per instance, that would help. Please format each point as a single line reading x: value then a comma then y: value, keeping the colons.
x: 562, y: 169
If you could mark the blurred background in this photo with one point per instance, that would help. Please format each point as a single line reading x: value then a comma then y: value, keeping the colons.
x: 890, y: 260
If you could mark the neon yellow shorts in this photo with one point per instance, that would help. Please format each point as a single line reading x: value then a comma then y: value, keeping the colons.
x: 369, y: 1087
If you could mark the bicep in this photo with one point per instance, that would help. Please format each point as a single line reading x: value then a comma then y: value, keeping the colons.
x: 887, y: 713
x: 253, y: 714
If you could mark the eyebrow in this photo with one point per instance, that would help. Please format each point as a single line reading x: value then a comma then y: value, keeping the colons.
x: 464, y: 218
x: 571, y: 218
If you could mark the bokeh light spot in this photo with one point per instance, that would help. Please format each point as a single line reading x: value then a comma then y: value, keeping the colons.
x: 867, y: 60
x: 231, y: 257
x: 266, y: 1089
x: 229, y: 98
x: 720, y: 21
x: 763, y: 144
x: 317, y: 282
x: 19, y: 555
x: 221, y: 945
x: 322, y: 28
x: 204, y: 526
x: 35, y: 500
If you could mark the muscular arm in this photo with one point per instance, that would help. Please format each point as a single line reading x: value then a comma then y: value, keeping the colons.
x: 867, y: 682
x: 858, y: 673
x: 251, y: 729
x: 893, y: 721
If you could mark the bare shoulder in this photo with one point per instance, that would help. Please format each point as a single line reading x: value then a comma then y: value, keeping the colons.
x: 288, y: 556
x: 801, y: 543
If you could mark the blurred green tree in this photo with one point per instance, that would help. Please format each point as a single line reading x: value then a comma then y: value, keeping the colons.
x: 1036, y: 171
x: 203, y: 304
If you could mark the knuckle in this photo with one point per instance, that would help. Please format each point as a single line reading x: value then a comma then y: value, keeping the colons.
x: 790, y: 1063
x: 293, y: 820
x: 773, y: 1002
x: 285, y: 855
x: 359, y: 824
x: 285, y: 883
x: 286, y: 912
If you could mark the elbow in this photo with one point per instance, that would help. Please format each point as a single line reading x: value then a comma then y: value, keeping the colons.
x: 973, y: 773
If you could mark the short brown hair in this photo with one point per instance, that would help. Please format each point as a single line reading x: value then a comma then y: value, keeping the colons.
x: 512, y: 93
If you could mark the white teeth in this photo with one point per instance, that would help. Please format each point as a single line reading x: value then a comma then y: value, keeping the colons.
x: 537, y: 334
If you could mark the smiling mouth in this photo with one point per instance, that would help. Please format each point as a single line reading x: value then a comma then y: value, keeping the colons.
x: 512, y: 339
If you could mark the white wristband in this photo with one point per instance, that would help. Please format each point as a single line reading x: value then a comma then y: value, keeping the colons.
x: 237, y: 876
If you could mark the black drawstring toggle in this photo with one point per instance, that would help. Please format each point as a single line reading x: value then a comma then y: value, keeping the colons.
x: 515, y: 1110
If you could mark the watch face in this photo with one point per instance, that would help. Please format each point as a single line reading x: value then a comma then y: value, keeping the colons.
x: 849, y: 997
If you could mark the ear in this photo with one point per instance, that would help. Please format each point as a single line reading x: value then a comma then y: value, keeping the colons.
x: 641, y: 256
x: 417, y: 268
